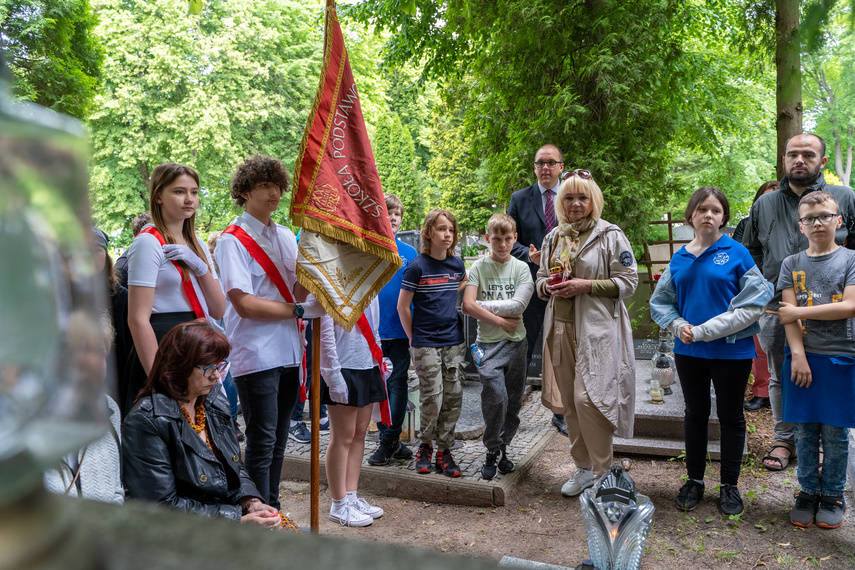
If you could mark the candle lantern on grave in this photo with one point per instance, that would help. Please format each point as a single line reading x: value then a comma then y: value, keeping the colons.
x: 664, y: 372
x: 617, y: 521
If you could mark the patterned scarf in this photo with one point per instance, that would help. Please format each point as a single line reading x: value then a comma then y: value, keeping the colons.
x: 568, y: 245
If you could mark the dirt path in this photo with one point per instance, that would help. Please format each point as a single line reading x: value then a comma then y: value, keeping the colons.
x: 539, y: 524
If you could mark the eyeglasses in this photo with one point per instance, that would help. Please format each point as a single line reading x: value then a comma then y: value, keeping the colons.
x: 811, y: 220
x: 581, y: 173
x: 549, y: 163
x: 208, y: 371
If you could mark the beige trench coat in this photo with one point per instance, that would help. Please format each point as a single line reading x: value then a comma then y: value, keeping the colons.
x: 605, y: 357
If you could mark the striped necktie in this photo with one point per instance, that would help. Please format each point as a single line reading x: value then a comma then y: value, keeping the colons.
x: 549, y: 211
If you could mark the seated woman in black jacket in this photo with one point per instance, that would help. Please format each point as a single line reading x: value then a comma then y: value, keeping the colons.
x: 180, y: 448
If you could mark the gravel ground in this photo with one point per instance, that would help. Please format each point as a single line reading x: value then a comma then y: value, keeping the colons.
x: 539, y: 524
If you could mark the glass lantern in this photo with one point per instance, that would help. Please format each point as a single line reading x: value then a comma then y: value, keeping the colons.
x: 617, y: 521
x: 664, y: 370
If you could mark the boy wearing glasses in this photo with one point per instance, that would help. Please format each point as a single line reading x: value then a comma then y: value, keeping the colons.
x: 818, y: 375
x: 258, y: 260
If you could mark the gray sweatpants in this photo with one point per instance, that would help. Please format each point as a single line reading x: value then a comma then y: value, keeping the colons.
x: 502, y: 373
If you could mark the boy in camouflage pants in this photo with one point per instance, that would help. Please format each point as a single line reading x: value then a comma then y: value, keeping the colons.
x: 435, y: 329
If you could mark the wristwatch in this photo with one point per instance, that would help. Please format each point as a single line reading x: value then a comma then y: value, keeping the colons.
x: 298, y: 311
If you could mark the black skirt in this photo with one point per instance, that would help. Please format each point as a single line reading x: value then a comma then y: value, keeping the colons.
x: 134, y: 376
x: 363, y: 387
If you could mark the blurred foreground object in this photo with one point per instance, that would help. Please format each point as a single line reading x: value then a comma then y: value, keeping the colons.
x: 617, y: 521
x: 50, y: 402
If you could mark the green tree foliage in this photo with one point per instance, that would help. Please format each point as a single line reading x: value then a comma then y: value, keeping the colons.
x: 596, y: 78
x: 413, y: 101
x: 459, y: 179
x: 830, y: 88
x: 396, y: 164
x: 206, y: 91
x: 54, y: 58
x: 725, y: 109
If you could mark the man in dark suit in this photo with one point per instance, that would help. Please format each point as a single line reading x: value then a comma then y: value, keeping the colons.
x: 533, y: 211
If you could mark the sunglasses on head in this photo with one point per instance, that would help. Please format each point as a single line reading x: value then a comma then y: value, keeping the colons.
x: 580, y: 172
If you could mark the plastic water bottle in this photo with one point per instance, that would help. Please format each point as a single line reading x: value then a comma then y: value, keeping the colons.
x: 477, y: 354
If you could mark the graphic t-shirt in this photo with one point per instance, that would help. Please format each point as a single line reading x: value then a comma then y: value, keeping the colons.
x: 819, y: 280
x: 498, y: 282
x: 434, y: 284
x: 390, y: 322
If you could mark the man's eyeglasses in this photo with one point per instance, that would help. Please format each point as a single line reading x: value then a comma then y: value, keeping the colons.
x: 549, y: 163
x: 208, y: 371
x: 811, y: 220
x: 581, y: 173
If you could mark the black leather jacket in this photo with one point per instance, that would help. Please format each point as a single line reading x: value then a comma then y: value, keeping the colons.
x: 164, y: 460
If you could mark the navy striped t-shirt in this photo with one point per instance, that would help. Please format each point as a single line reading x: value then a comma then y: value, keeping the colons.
x: 434, y: 284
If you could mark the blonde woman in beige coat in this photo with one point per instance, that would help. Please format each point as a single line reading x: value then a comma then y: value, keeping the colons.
x: 586, y: 269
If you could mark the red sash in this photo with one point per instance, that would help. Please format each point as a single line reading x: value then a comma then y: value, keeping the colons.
x: 186, y: 283
x: 260, y: 256
x: 377, y: 355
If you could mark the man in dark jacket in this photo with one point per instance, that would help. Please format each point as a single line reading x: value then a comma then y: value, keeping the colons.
x: 533, y: 211
x: 772, y: 234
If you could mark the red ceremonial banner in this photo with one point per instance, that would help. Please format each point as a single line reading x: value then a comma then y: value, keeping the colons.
x: 347, y: 249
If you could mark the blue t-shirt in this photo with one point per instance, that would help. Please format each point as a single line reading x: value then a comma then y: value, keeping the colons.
x: 434, y: 284
x: 705, y: 286
x: 390, y: 322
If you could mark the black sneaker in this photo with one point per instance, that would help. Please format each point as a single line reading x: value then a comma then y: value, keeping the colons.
x: 830, y: 512
x: 488, y: 470
x: 804, y: 511
x: 403, y: 452
x: 505, y: 464
x: 445, y: 464
x: 423, y: 458
x: 383, y: 453
x: 690, y: 495
x: 730, y: 501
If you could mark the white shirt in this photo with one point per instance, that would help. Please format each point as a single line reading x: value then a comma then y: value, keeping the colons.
x: 148, y: 267
x: 342, y: 349
x: 259, y: 345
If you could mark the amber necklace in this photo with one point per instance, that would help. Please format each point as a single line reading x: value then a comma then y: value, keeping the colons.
x: 199, y: 425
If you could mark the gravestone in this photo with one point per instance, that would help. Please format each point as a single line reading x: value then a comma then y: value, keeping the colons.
x: 659, y: 427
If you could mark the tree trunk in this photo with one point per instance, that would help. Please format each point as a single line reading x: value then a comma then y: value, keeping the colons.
x: 144, y: 174
x: 789, y: 79
x: 845, y: 173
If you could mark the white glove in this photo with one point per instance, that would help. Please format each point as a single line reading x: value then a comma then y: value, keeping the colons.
x: 337, y: 387
x: 175, y: 252
x: 389, y: 368
x: 312, y: 308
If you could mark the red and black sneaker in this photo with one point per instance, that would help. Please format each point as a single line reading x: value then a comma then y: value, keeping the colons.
x: 423, y: 458
x: 445, y: 464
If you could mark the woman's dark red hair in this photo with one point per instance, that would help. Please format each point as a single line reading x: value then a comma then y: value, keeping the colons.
x: 197, y: 343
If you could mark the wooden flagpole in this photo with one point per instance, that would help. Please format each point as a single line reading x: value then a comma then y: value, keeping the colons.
x: 315, y: 401
x: 315, y: 391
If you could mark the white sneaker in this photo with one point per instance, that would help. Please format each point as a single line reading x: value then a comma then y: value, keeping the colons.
x: 581, y: 480
x: 363, y: 507
x: 348, y: 515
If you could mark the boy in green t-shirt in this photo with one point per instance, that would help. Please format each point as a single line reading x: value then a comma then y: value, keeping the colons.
x: 497, y: 293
